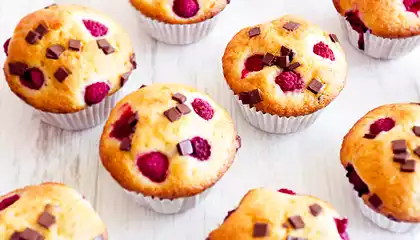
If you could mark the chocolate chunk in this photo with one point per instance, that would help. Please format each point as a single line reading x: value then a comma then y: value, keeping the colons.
x: 315, y: 209
x: 334, y: 37
x: 32, y: 37
x: 61, y: 74
x: 124, y: 78
x: 369, y: 136
x: 17, y: 68
x: 179, y: 97
x: 75, y: 45
x: 417, y: 151
x: 399, y: 146
x: 172, y: 114
x: 142, y: 86
x: 105, y: 46
x: 357, y: 182
x: 46, y: 220
x: 416, y: 131
x: 239, y: 142
x: 375, y: 201
x: 293, y: 66
x: 291, y: 26
x: 42, y: 30
x: 291, y: 55
x: 296, y: 222
x: 185, y: 148
x: 254, y: 32
x: 100, y: 237
x: 284, y: 51
x: 260, y: 230
x: 401, y: 157
x: 182, y: 108
x: 251, y: 97
x: 408, y: 166
x: 133, y: 60
x: 29, y: 234
x: 315, y: 86
x: 55, y: 51
x: 15, y: 236
x: 268, y: 59
x: 282, y: 61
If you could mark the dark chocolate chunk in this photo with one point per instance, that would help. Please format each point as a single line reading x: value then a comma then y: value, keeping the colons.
x: 105, y: 46
x: 32, y: 37
x: 293, y: 66
x: 268, y: 59
x: 282, y: 61
x: 315, y: 86
x: 284, y: 51
x: 375, y: 201
x: 30, y: 234
x: 46, y: 220
x: 417, y: 151
x: 401, y: 157
x: 399, y: 146
x: 416, y: 131
x: 291, y: 55
x: 291, y: 26
x: 182, y: 108
x: 357, y: 182
x: 315, y: 209
x: 260, y: 230
x: 42, y: 30
x: 124, y: 78
x: 251, y: 97
x: 61, y: 74
x: 369, y: 136
x: 334, y: 37
x: 15, y: 236
x: 17, y: 68
x: 179, y: 97
x: 185, y: 148
x: 75, y: 45
x: 296, y: 222
x: 408, y: 166
x: 172, y: 114
x: 254, y: 32
x: 142, y: 86
x: 55, y: 51
x: 125, y: 144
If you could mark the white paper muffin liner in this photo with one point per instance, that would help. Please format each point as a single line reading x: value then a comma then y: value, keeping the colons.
x: 87, y: 118
x: 273, y: 123
x: 378, y: 47
x: 168, y: 206
x: 384, y: 222
x: 179, y: 34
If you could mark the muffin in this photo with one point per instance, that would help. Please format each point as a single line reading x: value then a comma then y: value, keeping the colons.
x: 385, y: 29
x: 179, y: 21
x: 48, y: 211
x: 380, y: 154
x: 68, y: 62
x: 267, y: 214
x: 167, y: 144
x: 283, y: 73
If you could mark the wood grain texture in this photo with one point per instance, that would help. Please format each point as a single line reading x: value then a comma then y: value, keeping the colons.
x: 308, y: 162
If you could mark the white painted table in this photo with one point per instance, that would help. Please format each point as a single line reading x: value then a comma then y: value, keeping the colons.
x: 308, y: 162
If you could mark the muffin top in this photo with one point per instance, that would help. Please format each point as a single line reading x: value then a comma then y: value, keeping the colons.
x: 180, y: 11
x: 268, y: 214
x: 286, y: 67
x: 48, y: 211
x: 380, y: 154
x: 64, y: 58
x: 168, y: 141
x: 384, y: 18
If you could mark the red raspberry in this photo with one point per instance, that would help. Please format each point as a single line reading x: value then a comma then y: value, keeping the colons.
x: 125, y: 125
x: 6, y: 47
x: 33, y: 78
x: 289, y: 81
x: 186, y: 8
x: 202, y: 148
x: 381, y: 125
x: 253, y: 64
x: 322, y: 49
x: 96, y: 92
x: 342, y: 227
x: 7, y: 202
x: 154, y: 166
x: 95, y: 28
x: 203, y: 108
x: 286, y: 191
x: 412, y: 5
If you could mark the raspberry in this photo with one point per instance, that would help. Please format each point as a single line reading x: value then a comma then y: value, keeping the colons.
x: 125, y: 125
x: 253, y: 64
x: 342, y: 227
x: 289, y: 81
x: 322, y: 49
x: 154, y: 166
x: 203, y: 108
x: 6, y: 47
x: 95, y: 28
x: 286, y: 191
x: 96, y: 92
x: 412, y: 5
x: 7, y: 202
x: 381, y: 125
x: 33, y: 78
x: 356, y: 23
x: 186, y: 8
x: 201, y: 147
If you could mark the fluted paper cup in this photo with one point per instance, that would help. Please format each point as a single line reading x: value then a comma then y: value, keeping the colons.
x: 168, y: 206
x: 179, y: 34
x: 379, y: 47
x: 87, y: 118
x: 273, y: 123
x: 384, y: 222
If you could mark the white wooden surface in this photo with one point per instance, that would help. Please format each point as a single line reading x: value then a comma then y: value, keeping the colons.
x: 308, y: 162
